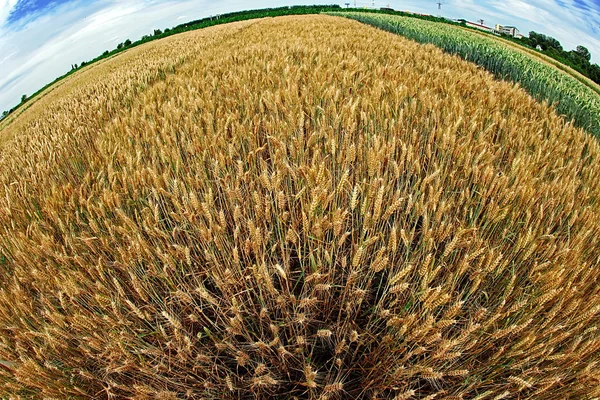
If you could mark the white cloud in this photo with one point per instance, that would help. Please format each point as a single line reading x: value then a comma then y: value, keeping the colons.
x: 6, y: 6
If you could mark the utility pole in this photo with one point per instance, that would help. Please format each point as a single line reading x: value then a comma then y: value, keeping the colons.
x: 480, y: 22
x: 440, y: 4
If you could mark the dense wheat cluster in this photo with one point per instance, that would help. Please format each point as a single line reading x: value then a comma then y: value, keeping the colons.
x: 297, y: 207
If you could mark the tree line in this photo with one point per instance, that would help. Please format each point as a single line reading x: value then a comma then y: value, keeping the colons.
x: 578, y: 59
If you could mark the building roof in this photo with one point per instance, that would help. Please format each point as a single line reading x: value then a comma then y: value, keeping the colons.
x: 476, y: 24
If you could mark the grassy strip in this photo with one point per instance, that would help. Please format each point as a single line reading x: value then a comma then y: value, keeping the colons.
x: 570, y: 97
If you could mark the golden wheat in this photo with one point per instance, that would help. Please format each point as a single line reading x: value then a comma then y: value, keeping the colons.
x: 297, y: 207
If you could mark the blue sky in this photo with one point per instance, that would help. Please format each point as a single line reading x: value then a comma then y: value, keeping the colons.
x: 40, y: 39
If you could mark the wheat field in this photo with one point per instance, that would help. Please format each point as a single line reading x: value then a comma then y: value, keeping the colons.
x: 297, y: 207
x: 573, y: 97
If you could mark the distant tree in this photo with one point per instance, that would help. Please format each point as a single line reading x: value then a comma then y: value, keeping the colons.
x: 545, y: 42
x: 127, y: 43
x: 595, y: 73
x: 4, y: 114
x: 106, y: 52
x: 167, y: 30
x: 23, y: 98
x: 145, y: 38
x: 157, y: 32
x: 120, y: 46
x: 75, y: 66
x: 583, y: 52
x: 83, y: 63
x: 554, y: 43
x: 533, y: 37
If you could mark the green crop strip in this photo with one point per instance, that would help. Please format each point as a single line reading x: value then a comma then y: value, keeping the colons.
x: 569, y: 96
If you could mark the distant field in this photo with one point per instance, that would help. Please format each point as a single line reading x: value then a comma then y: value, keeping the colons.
x: 297, y: 207
x: 188, y: 26
x: 574, y: 97
x: 61, y: 91
x: 548, y: 60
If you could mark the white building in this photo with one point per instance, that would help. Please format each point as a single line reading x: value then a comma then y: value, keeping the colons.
x: 508, y: 30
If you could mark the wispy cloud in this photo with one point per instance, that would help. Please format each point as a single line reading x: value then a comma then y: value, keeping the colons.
x: 40, y: 39
x: 25, y: 11
x: 6, y: 7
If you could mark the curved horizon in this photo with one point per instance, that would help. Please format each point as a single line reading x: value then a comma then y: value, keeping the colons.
x: 41, y: 39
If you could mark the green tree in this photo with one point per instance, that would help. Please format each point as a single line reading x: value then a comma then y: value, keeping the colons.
x: 595, y: 73
x: 23, y: 98
x: 105, y: 53
x: 4, y: 114
x: 157, y: 32
x: 546, y: 42
x: 583, y: 52
x: 127, y: 43
x: 119, y: 46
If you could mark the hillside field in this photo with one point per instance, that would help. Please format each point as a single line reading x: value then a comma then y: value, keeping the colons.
x: 297, y: 207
